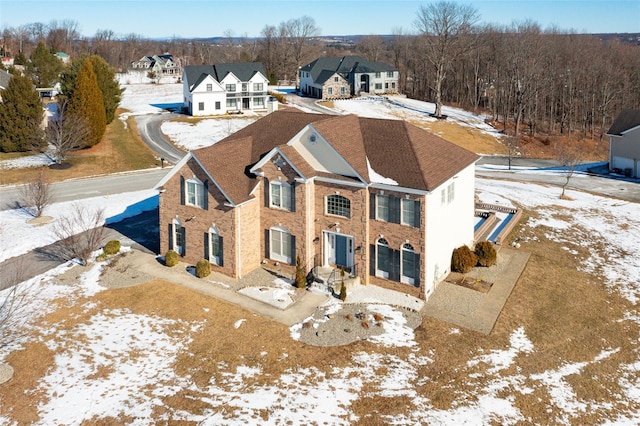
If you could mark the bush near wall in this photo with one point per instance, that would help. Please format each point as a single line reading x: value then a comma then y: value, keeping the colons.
x: 486, y: 253
x: 463, y: 260
x: 171, y: 258
x: 203, y: 268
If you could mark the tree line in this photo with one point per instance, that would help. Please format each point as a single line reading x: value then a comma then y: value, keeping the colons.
x: 527, y: 79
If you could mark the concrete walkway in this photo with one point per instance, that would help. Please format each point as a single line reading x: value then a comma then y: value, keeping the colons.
x: 472, y: 309
x: 224, y: 288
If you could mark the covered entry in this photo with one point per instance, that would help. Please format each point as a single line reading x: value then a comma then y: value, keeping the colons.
x: 338, y: 250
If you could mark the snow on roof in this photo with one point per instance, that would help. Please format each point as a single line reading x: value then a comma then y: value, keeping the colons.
x: 378, y: 178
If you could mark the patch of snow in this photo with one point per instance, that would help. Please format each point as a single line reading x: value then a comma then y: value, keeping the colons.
x: 375, y: 177
x: 238, y: 323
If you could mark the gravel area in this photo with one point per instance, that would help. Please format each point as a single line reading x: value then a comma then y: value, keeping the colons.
x: 454, y: 298
x: 349, y: 322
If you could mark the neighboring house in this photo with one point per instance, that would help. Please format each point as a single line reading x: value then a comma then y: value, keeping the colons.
x: 7, y: 61
x: 4, y: 81
x: 624, y: 143
x: 339, y: 78
x: 382, y: 199
x: 224, y: 88
x: 63, y: 57
x: 162, y: 65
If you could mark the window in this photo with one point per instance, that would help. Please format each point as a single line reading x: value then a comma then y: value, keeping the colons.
x: 386, y: 85
x: 411, y: 213
x: 389, y: 73
x: 217, y: 104
x: 209, y: 87
x: 281, y: 245
x: 377, y: 75
x: 336, y: 79
x: 443, y: 197
x: 451, y: 192
x: 195, y: 193
x: 258, y: 102
x: 382, y: 208
x: 200, y: 106
x: 330, y: 91
x: 230, y: 87
x: 215, y: 247
x: 231, y: 103
x: 410, y: 265
x: 393, y: 85
x: 384, y: 256
x: 281, y: 195
x: 257, y: 87
x: 343, y: 90
x: 245, y: 87
x: 339, y: 206
x: 378, y: 86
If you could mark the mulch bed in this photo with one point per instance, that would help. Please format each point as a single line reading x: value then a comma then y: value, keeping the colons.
x: 469, y: 282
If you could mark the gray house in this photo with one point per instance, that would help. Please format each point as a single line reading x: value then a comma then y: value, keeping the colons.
x: 624, y: 143
x: 339, y: 78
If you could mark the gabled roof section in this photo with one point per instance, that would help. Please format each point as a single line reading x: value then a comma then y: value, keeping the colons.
x: 193, y: 73
x: 626, y: 120
x: 243, y: 70
x: 323, y: 68
x: 411, y: 156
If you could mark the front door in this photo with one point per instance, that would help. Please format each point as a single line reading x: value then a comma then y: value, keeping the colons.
x: 338, y: 250
x: 245, y: 103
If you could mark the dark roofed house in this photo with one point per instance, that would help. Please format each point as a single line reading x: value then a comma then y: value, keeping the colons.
x: 160, y: 64
x: 225, y: 88
x: 339, y: 78
x: 624, y: 140
x: 382, y: 199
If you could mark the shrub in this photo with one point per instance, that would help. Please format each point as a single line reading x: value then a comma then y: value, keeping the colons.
x: 463, y: 260
x: 171, y: 258
x: 203, y: 268
x: 486, y: 253
x: 343, y: 292
x: 112, y: 247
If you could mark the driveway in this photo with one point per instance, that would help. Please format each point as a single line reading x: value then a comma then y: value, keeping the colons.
x: 149, y: 126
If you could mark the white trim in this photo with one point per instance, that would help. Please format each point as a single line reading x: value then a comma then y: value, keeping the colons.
x: 213, y: 180
x: 350, y: 254
x: 279, y: 257
x: 630, y: 130
x: 339, y: 182
x: 337, y: 153
x: 174, y: 170
x: 399, y: 189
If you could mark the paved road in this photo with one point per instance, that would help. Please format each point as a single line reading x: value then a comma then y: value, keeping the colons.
x: 76, y: 189
x: 309, y: 104
x: 149, y: 126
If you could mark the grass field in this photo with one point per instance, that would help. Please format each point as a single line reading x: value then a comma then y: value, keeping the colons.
x: 121, y: 149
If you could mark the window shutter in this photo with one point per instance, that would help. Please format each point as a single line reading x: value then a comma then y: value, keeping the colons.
x: 205, y: 204
x: 394, y: 274
x: 170, y: 240
x: 416, y: 214
x: 267, y: 238
x: 207, y: 239
x: 293, y: 197
x: 416, y: 275
x: 394, y: 209
x: 221, y: 256
x: 183, y: 231
x: 266, y: 192
x: 372, y: 206
x: 293, y: 250
x: 372, y: 259
x: 182, y: 190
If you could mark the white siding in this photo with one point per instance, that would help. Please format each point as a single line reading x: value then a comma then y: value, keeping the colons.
x: 448, y: 226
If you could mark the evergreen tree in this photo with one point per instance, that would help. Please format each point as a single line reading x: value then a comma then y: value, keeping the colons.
x: 44, y: 67
x: 21, y: 116
x: 86, y: 102
x: 106, y: 77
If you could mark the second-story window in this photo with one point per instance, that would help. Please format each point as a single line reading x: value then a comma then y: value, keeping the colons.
x: 195, y: 193
x: 281, y: 195
x: 209, y: 87
x: 257, y: 87
x: 377, y: 75
x: 230, y: 87
x: 389, y: 73
x: 339, y: 206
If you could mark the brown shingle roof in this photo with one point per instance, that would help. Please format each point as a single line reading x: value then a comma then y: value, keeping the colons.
x: 397, y: 150
x: 627, y: 119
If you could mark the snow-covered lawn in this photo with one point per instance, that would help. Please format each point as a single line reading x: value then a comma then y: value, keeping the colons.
x: 135, y: 354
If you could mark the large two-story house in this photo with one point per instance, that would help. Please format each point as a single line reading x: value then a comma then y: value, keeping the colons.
x: 160, y: 64
x: 381, y: 199
x: 224, y: 88
x: 340, y: 78
x: 624, y: 140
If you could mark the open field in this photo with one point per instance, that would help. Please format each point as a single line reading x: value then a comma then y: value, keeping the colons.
x: 563, y: 351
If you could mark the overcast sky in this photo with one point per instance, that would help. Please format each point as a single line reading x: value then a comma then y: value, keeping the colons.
x: 208, y: 18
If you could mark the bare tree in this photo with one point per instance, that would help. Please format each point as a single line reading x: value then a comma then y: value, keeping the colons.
x: 80, y: 233
x: 443, y: 26
x: 37, y: 195
x: 372, y: 47
x: 15, y: 295
x: 66, y: 133
x: 569, y: 157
